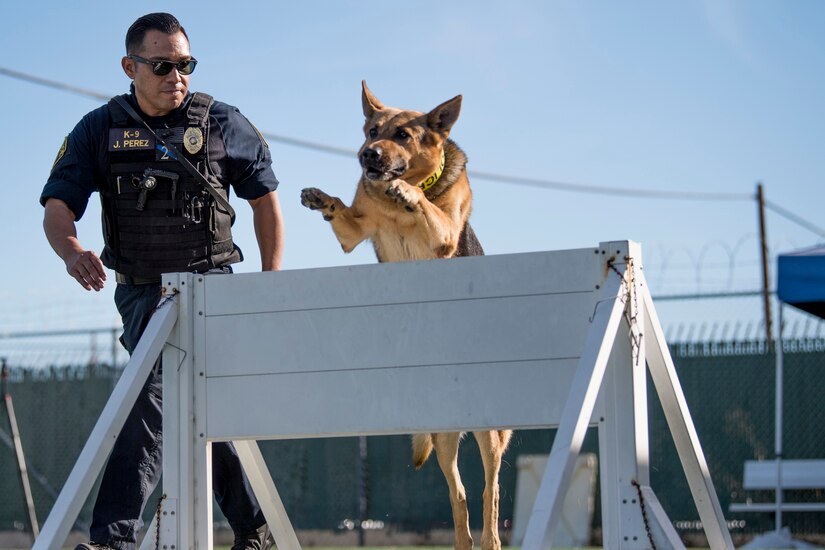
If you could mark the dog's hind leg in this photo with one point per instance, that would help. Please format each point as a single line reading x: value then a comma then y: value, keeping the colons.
x: 446, y: 451
x: 492, y: 445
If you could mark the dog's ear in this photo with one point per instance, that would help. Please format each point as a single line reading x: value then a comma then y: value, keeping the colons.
x: 369, y: 101
x: 442, y: 118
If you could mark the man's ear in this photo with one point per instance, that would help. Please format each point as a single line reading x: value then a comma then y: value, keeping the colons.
x: 368, y: 101
x: 442, y: 118
x: 128, y: 67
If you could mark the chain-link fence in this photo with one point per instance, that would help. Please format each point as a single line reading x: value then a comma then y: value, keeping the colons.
x: 729, y: 387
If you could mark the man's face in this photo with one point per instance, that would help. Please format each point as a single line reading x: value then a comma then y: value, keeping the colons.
x: 159, y: 95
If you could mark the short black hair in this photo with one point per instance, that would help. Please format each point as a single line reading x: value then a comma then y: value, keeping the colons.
x: 163, y: 22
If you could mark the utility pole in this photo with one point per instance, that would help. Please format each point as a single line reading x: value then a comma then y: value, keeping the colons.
x: 766, y: 292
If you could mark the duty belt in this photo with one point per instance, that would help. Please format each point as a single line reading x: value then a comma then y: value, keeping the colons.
x: 130, y: 280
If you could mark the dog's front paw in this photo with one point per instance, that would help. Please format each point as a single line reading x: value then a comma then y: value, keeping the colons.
x: 315, y: 199
x: 403, y: 194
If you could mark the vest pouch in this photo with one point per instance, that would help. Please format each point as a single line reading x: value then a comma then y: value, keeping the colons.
x: 108, y: 230
x: 220, y: 223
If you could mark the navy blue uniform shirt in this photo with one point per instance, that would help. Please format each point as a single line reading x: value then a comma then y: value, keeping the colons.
x: 80, y: 170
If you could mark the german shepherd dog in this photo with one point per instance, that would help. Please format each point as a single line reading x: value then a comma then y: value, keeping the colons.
x: 413, y: 202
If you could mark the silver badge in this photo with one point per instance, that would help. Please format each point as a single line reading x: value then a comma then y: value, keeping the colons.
x: 193, y: 140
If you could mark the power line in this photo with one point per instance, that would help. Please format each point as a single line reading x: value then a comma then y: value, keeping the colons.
x: 620, y: 191
x: 500, y: 178
x: 53, y: 84
x: 341, y: 151
x: 794, y: 218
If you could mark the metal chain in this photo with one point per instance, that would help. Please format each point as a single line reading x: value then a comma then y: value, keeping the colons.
x: 632, y: 301
x: 157, y: 522
x: 644, y: 514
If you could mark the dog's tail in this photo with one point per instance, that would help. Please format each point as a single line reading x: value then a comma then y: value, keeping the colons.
x: 422, y: 445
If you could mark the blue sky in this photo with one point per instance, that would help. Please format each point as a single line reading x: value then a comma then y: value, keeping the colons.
x: 697, y: 96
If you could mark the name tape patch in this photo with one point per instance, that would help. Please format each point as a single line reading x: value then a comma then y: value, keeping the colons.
x: 130, y: 139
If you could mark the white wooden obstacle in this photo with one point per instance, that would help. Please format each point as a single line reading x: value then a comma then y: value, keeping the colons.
x: 512, y: 341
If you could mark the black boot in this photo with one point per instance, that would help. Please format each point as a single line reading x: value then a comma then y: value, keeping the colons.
x: 260, y: 539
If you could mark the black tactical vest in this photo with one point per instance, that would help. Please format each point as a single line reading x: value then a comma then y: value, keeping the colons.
x: 157, y: 217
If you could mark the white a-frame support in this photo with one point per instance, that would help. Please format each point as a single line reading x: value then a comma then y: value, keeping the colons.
x: 623, y: 438
x: 562, y: 338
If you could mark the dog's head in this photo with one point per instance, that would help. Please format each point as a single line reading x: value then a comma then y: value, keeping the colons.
x: 402, y: 144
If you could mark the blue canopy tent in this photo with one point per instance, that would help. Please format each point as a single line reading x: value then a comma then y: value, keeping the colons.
x: 801, y: 280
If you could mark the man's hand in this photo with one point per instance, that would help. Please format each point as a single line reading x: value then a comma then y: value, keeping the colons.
x: 84, y: 265
x: 87, y: 269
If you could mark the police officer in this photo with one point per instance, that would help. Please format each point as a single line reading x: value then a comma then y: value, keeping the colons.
x: 160, y: 216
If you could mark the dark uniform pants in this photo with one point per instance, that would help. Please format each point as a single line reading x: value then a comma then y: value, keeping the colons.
x: 135, y: 466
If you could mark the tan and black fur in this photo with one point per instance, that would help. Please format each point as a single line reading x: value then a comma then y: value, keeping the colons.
x: 412, y: 209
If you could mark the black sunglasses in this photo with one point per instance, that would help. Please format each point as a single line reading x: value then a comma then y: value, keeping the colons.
x: 162, y: 68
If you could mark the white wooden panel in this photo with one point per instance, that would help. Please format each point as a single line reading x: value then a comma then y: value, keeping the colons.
x: 385, y: 401
x: 433, y: 280
x: 415, y: 334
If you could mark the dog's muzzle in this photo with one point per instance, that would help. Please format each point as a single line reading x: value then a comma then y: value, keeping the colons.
x: 377, y: 166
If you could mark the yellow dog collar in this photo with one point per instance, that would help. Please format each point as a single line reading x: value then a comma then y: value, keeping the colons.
x: 429, y: 182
